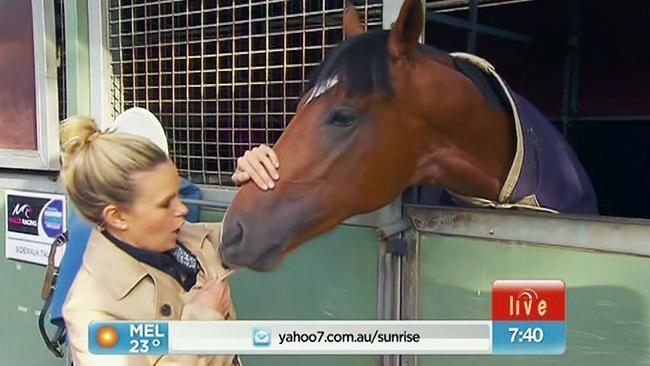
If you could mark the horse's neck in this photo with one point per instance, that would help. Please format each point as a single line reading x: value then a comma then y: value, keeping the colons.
x: 465, y: 145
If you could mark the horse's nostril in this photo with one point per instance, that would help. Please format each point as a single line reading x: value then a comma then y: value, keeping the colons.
x: 232, y: 234
x: 239, y: 233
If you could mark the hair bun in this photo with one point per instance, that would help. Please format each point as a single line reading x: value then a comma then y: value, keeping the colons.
x: 74, y: 134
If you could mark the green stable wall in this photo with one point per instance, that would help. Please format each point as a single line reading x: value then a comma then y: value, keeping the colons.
x: 332, y: 277
x: 608, y: 297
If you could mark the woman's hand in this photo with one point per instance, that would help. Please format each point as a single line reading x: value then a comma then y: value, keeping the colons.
x: 215, y: 295
x: 259, y: 164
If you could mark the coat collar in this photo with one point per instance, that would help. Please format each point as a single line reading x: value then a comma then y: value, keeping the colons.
x: 121, y: 273
x: 193, y: 235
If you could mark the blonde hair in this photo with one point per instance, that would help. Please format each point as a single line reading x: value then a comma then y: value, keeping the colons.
x: 98, y: 166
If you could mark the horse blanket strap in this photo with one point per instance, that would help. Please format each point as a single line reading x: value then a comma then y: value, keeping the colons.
x: 545, y: 175
x: 529, y: 202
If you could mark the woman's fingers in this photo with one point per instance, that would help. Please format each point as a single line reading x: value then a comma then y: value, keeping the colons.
x: 267, y: 162
x: 240, y: 176
x: 252, y: 170
x: 259, y: 164
x: 271, y: 154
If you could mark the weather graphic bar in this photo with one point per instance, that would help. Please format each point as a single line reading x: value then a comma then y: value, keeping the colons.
x: 528, y: 318
x: 291, y: 337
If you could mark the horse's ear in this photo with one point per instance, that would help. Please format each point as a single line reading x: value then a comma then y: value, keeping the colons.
x: 406, y: 30
x: 351, y: 21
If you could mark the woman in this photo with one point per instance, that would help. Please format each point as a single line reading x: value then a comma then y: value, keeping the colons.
x: 143, y: 260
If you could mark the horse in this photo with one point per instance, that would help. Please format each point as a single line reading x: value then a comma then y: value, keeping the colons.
x: 383, y: 113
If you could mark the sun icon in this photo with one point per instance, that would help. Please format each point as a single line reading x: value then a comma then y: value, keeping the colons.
x: 106, y: 336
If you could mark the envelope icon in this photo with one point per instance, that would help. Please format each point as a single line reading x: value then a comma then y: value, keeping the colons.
x: 261, y: 336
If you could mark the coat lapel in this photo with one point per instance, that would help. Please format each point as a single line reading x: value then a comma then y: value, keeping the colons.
x: 121, y: 272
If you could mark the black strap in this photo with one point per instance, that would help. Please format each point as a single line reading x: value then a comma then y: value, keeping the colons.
x: 55, y: 343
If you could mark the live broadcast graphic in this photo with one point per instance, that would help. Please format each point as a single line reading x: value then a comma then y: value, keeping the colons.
x: 528, y: 318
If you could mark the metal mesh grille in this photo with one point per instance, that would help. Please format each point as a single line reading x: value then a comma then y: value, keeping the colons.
x: 59, y: 18
x: 221, y: 76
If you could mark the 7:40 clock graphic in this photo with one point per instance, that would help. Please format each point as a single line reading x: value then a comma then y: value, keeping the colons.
x: 528, y: 317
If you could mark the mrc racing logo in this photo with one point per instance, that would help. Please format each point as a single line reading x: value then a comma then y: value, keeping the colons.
x: 22, y: 215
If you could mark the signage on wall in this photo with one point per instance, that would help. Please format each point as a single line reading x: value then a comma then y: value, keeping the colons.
x: 33, y: 221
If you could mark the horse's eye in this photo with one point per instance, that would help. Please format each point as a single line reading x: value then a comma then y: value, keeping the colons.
x: 343, y: 117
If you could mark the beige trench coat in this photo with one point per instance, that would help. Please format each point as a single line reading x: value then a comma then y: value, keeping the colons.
x: 112, y: 285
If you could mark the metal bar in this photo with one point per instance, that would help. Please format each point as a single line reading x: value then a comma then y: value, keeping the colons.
x: 639, y: 118
x: 172, y: 122
x: 473, y: 18
x: 77, y: 59
x: 605, y: 234
x: 233, y: 90
x: 284, y: 69
x: 453, y: 5
x: 248, y: 79
x: 575, y: 74
x: 390, y: 266
x: 220, y: 198
x: 304, y: 37
x: 204, y: 177
x: 133, y: 59
x: 101, y: 79
x: 267, y: 66
x: 200, y: 12
x: 217, y: 79
x: 160, y: 79
x: 187, y: 95
x: 390, y: 11
x: 146, y: 69
x: 410, y: 286
x: 480, y: 28
x: 226, y: 39
x: 572, y: 69
x: 27, y: 180
x: 206, y: 204
x: 61, y: 64
x: 333, y: 15
x: 384, y: 285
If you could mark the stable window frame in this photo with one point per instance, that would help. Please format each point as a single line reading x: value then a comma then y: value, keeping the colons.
x: 46, y: 154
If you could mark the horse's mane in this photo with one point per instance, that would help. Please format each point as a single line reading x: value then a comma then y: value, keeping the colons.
x: 362, y: 63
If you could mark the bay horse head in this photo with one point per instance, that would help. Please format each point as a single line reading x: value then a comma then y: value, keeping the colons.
x: 383, y: 113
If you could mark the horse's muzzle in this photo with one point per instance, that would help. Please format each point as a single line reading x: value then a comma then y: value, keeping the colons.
x: 248, y: 248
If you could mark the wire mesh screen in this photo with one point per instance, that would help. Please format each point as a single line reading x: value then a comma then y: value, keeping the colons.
x: 222, y: 76
x: 59, y: 19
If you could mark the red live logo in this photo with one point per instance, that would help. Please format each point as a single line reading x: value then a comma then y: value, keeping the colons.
x: 528, y: 300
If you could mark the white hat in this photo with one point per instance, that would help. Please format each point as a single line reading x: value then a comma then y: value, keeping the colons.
x: 141, y: 122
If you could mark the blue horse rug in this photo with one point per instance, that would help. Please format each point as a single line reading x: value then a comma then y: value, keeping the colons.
x: 545, y: 174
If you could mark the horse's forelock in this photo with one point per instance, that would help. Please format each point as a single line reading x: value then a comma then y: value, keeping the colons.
x: 361, y: 61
